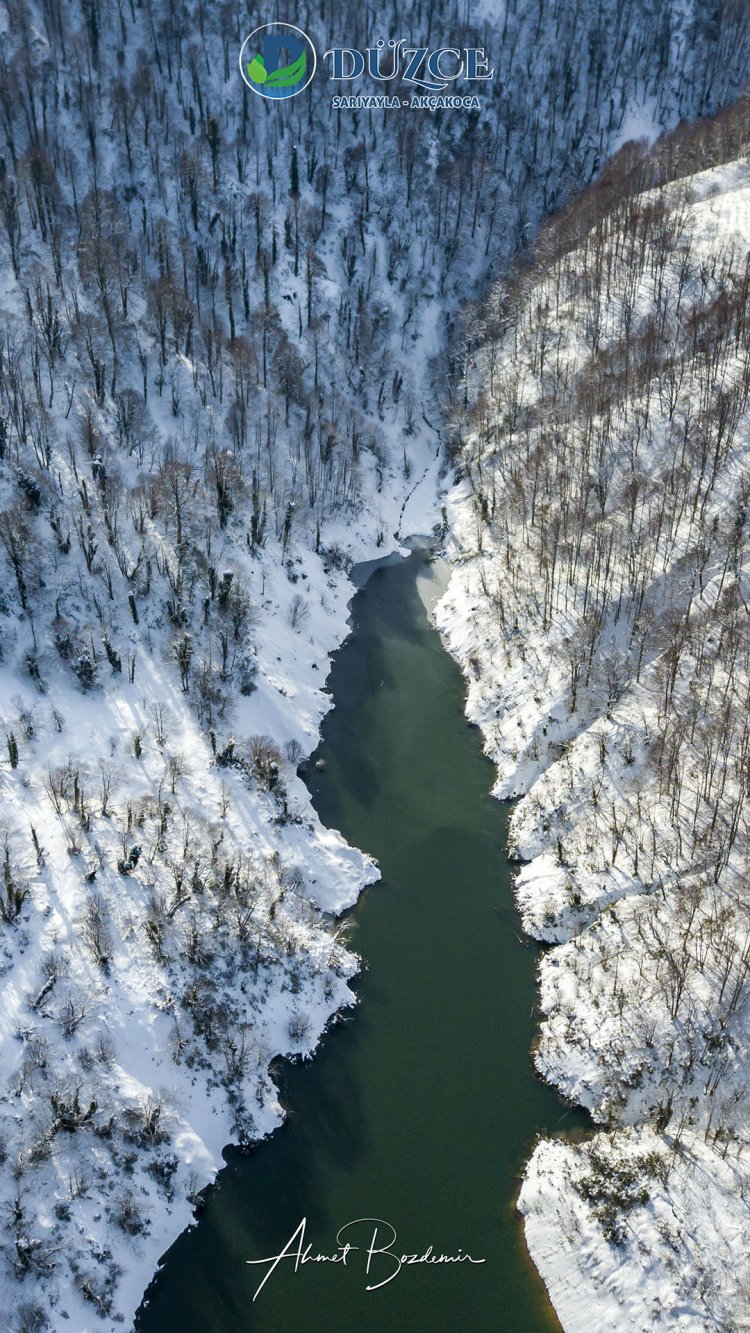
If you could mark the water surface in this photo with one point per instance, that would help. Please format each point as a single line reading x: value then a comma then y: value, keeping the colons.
x: 422, y: 1108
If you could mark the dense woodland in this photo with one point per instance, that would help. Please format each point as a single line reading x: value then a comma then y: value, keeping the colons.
x: 228, y: 330
x: 210, y: 302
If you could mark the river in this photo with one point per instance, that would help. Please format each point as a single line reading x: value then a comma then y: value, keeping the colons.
x: 422, y: 1107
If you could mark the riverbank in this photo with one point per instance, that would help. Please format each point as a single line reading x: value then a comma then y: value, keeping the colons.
x: 400, y: 1108
x: 171, y: 1035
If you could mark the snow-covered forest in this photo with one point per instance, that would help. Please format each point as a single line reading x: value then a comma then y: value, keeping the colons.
x: 228, y: 349
x: 601, y: 614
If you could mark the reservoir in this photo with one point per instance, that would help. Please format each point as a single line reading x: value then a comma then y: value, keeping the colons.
x: 421, y: 1108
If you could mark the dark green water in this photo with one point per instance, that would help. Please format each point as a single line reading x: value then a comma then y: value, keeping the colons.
x: 420, y: 1110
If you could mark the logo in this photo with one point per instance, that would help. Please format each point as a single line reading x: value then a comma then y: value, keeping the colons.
x: 277, y: 60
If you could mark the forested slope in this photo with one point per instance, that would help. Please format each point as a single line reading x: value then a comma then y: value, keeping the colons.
x: 600, y: 608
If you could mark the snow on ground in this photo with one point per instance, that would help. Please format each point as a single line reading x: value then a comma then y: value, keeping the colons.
x: 640, y: 123
x: 158, y: 993
x: 685, y: 1220
x: 598, y: 606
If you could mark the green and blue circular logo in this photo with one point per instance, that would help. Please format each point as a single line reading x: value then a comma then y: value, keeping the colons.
x: 277, y: 60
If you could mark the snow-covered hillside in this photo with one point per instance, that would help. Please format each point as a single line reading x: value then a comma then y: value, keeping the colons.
x: 600, y: 609
x: 223, y: 368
